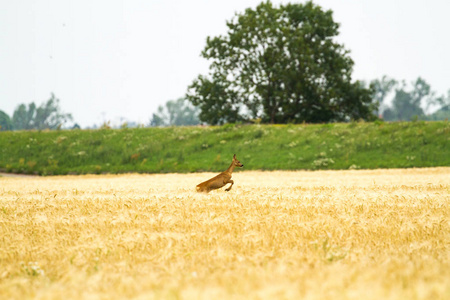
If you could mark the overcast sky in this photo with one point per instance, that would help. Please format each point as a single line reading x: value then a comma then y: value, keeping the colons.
x: 111, y: 59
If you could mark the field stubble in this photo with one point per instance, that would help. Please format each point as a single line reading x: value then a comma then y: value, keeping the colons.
x: 382, y: 234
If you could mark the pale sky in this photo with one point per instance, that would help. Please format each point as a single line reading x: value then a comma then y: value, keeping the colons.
x: 112, y: 59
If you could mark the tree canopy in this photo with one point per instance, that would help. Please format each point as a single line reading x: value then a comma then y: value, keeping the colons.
x: 281, y: 64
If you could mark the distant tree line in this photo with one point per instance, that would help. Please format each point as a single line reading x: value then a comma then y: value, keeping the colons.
x: 398, y: 102
x: 392, y: 99
x: 26, y: 117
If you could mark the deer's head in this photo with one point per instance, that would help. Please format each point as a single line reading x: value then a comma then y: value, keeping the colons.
x: 236, y: 162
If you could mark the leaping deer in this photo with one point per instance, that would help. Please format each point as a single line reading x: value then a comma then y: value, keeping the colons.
x: 220, y: 180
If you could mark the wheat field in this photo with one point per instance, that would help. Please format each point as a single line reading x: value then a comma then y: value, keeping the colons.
x: 382, y: 234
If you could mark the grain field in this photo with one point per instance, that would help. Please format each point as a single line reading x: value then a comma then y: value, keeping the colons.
x: 382, y: 234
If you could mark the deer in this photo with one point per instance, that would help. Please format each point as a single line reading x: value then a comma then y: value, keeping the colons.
x: 220, y: 180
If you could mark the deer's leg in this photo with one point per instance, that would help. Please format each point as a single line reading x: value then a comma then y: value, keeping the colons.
x: 232, y: 182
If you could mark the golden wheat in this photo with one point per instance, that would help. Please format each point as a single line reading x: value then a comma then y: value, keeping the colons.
x: 381, y: 234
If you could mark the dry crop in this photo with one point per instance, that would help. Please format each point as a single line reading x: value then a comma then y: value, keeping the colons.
x: 381, y: 234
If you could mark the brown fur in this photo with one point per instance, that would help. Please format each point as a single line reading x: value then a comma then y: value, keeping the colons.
x: 220, y: 180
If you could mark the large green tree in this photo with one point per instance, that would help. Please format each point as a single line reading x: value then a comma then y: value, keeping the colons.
x: 46, y: 116
x: 281, y: 64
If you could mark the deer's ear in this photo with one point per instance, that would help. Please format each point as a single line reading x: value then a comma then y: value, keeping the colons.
x: 234, y: 156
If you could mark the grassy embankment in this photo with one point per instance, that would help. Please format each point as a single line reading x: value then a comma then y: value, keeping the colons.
x: 259, y: 147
